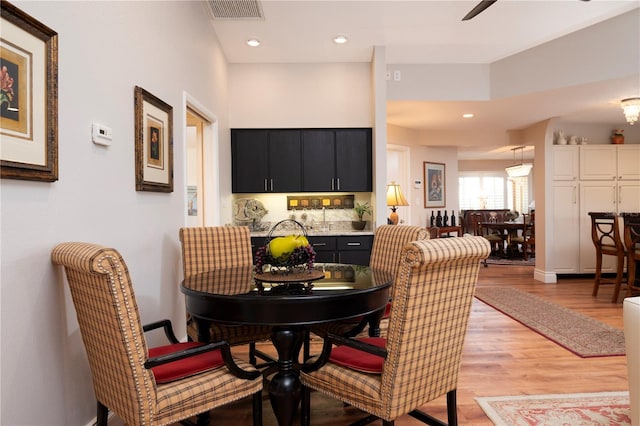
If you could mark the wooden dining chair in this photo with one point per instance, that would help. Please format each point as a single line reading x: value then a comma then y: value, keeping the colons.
x: 495, y: 240
x: 419, y: 360
x: 141, y: 385
x: 527, y: 240
x: 605, y: 234
x: 216, y: 247
x: 632, y: 244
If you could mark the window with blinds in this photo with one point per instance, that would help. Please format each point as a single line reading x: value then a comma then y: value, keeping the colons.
x: 481, y: 191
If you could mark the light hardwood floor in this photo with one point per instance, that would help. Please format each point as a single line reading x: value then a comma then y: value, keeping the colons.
x: 501, y: 357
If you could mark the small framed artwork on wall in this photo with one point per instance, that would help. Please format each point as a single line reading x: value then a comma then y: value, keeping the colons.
x: 28, y: 97
x: 154, y: 143
x: 434, y: 185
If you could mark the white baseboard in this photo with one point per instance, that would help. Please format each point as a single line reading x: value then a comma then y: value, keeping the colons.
x: 545, y: 276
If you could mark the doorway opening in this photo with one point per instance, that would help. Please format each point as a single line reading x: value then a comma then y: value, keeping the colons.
x: 201, y: 159
x: 398, y: 166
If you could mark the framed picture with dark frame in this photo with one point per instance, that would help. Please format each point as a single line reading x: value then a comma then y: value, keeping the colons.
x: 154, y: 142
x: 28, y: 97
x: 434, y: 185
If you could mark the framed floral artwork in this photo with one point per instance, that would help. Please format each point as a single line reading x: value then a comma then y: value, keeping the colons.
x: 28, y: 97
x: 434, y: 185
x: 154, y: 142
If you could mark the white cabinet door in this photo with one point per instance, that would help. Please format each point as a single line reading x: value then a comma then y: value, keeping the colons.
x: 598, y: 162
x: 629, y: 162
x: 565, y: 163
x: 565, y: 239
x: 628, y: 197
x: 595, y: 197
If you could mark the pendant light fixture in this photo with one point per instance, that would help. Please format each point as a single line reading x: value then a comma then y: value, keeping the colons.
x: 519, y: 170
x: 631, y: 109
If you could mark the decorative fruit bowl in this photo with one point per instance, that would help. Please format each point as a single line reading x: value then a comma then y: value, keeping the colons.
x: 286, y: 254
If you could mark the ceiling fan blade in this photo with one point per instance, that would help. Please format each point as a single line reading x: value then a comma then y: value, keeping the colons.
x: 480, y: 7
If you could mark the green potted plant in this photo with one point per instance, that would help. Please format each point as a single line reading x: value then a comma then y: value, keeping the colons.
x: 361, y: 209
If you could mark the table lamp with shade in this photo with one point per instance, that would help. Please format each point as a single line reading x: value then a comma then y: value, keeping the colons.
x: 395, y: 199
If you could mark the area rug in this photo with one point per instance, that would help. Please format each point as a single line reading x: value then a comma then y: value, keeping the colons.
x: 580, y: 334
x: 606, y: 408
x: 497, y: 260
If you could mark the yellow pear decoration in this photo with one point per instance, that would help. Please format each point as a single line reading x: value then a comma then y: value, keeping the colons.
x: 281, y: 248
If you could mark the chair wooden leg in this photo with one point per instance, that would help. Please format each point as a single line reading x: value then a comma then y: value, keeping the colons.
x: 102, y: 417
x: 252, y: 353
x: 452, y: 408
x: 257, y: 409
x: 619, y: 274
x: 596, y: 283
x: 631, y: 276
x: 305, y: 406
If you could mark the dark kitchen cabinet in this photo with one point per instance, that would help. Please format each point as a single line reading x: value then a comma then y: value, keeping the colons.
x: 266, y: 160
x: 355, y: 250
x: 337, y: 160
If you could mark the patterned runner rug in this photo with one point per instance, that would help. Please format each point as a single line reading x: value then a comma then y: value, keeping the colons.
x: 606, y: 408
x: 580, y: 334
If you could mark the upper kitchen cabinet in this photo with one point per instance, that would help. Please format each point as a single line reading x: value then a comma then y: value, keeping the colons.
x: 266, y: 160
x: 337, y: 160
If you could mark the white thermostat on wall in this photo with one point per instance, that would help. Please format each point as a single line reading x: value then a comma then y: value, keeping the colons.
x: 101, y: 134
x: 417, y: 184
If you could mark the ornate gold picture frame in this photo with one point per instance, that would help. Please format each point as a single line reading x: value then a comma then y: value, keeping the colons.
x: 28, y: 97
x: 154, y: 142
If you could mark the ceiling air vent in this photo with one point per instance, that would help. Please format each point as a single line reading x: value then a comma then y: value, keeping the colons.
x: 235, y: 9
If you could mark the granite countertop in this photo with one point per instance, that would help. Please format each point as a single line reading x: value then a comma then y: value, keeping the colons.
x: 315, y: 233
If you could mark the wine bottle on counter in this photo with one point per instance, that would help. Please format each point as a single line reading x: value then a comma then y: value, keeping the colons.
x: 445, y: 219
x: 439, y: 219
x: 453, y: 218
x: 432, y: 220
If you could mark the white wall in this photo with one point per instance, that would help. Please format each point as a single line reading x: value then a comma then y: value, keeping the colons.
x: 105, y: 49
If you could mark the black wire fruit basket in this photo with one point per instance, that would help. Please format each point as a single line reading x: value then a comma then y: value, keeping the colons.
x: 289, y: 253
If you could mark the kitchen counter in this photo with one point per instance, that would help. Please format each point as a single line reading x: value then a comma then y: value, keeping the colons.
x: 313, y: 233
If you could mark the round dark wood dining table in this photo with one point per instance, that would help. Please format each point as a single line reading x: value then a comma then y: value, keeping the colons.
x: 289, y: 307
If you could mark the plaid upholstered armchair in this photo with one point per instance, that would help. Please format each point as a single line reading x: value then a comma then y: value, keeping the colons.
x: 145, y: 386
x: 388, y: 242
x: 216, y: 247
x: 420, y: 358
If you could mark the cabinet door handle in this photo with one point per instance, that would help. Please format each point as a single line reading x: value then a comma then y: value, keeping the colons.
x: 354, y: 244
x: 271, y: 184
x: 339, y: 257
x: 575, y: 190
x: 338, y: 184
x: 332, y: 184
x: 614, y: 194
x: 619, y: 195
x: 265, y: 185
x: 319, y: 244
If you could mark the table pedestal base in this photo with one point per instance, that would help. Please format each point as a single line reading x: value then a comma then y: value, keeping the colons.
x: 285, y: 387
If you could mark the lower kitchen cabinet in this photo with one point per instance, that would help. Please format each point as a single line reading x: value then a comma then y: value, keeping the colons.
x: 355, y: 250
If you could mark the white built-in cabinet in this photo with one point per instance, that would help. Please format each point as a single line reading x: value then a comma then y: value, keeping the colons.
x: 589, y: 178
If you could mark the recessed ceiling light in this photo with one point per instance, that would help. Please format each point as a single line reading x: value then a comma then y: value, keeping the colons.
x: 340, y: 39
x: 253, y: 42
x: 467, y: 115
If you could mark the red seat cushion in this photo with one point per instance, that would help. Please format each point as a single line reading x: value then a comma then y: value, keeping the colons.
x: 185, y: 367
x: 359, y: 360
x: 387, y: 310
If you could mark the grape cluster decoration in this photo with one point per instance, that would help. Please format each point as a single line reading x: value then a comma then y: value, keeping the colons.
x: 301, y: 258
